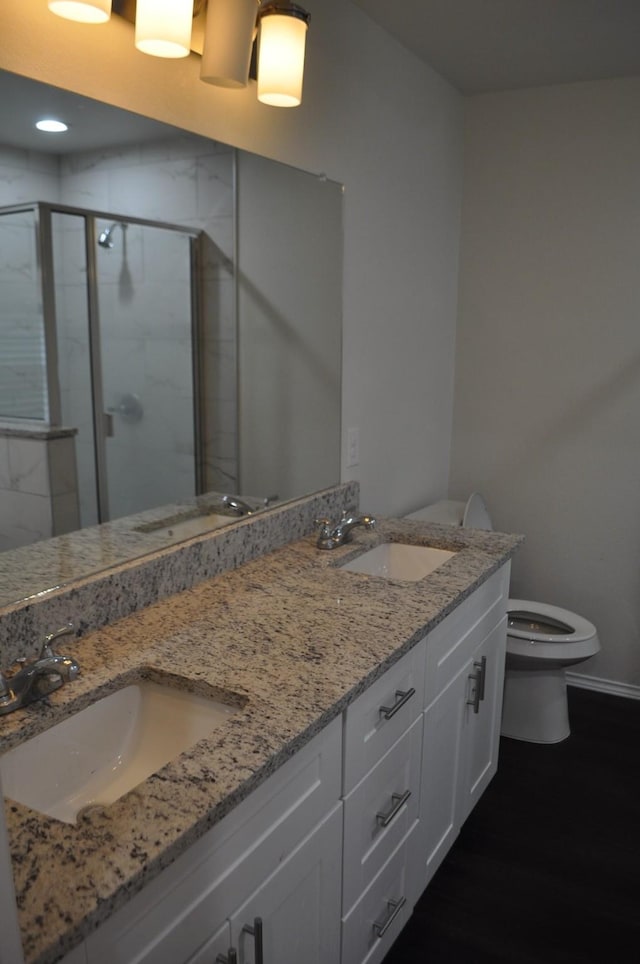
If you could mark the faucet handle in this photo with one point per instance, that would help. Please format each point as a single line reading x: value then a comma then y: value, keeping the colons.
x: 5, y: 689
x: 67, y: 630
x: 323, y: 524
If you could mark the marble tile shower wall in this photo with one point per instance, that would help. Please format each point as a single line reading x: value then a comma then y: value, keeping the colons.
x: 28, y: 176
x: 186, y: 180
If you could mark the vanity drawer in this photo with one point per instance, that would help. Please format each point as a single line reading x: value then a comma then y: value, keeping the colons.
x: 453, y: 641
x: 374, y: 923
x: 380, y: 811
x: 375, y: 721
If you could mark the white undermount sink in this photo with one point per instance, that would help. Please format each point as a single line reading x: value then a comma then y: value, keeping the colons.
x: 191, y: 523
x: 105, y: 750
x: 397, y: 560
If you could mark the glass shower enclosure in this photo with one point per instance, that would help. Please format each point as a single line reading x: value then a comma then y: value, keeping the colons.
x: 99, y: 332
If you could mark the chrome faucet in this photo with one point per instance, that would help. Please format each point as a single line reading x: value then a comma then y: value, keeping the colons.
x: 331, y: 536
x: 242, y: 507
x: 36, y: 678
x: 238, y: 505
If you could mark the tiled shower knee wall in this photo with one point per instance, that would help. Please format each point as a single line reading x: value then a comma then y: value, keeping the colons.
x: 38, y: 488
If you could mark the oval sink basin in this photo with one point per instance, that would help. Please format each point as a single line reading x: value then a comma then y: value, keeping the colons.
x: 397, y: 560
x: 191, y: 523
x: 105, y: 750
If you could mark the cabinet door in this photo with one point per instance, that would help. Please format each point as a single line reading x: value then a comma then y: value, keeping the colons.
x: 482, y: 729
x: 219, y: 944
x: 441, y: 763
x: 299, y: 904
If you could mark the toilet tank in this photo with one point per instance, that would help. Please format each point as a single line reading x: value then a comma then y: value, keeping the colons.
x: 473, y: 513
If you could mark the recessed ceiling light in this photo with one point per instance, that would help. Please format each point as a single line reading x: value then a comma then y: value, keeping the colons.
x: 52, y: 126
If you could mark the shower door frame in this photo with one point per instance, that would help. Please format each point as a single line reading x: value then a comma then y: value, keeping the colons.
x: 44, y: 246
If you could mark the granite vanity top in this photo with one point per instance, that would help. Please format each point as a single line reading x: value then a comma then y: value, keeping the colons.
x: 290, y: 638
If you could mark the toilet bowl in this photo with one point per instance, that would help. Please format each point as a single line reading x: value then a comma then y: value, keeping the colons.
x: 541, y: 641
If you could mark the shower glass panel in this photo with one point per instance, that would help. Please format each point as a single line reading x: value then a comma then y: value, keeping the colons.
x: 74, y: 352
x: 23, y: 370
x: 144, y: 302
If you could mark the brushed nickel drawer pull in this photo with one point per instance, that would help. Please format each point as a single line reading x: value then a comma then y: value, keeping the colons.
x: 395, y: 906
x: 474, y: 699
x: 399, y: 800
x: 402, y: 697
x: 230, y: 958
x: 482, y: 666
x: 256, y: 933
x: 478, y: 679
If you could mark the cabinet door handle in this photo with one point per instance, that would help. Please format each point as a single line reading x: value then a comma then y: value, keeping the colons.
x: 230, y: 958
x: 398, y: 800
x: 256, y: 933
x: 474, y: 699
x: 402, y: 697
x: 394, y: 907
x: 482, y: 666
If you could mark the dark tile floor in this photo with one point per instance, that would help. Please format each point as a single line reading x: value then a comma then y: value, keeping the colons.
x: 546, y: 869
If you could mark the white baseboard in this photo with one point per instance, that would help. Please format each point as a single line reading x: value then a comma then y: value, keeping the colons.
x: 603, y: 685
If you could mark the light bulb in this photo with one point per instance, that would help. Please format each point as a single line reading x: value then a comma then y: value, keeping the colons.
x: 82, y: 11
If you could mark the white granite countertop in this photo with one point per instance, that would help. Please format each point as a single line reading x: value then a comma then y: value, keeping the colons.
x: 291, y: 638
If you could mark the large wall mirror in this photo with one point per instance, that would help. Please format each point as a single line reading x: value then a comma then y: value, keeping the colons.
x: 170, y: 328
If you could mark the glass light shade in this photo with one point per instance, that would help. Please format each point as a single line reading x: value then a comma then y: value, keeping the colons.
x: 228, y: 38
x: 83, y: 11
x: 281, y: 46
x: 163, y: 27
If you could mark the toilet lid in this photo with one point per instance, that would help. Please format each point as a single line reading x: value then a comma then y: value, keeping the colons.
x: 540, y: 622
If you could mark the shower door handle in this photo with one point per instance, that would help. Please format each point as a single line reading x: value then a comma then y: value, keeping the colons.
x: 107, y: 424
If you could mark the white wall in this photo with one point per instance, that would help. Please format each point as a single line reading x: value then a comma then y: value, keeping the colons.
x: 373, y: 117
x: 547, y: 412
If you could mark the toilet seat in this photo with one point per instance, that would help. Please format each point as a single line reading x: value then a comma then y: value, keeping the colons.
x: 571, y: 636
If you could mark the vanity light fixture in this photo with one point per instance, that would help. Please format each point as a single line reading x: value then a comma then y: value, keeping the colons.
x: 52, y: 126
x: 163, y: 27
x: 282, y: 36
x: 229, y: 32
x: 83, y: 11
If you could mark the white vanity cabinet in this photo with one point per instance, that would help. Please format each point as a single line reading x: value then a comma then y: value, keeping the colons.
x: 276, y: 856
x: 332, y: 851
x: 444, y: 752
x: 464, y: 680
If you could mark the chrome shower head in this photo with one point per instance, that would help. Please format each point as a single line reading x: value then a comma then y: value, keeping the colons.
x: 105, y: 239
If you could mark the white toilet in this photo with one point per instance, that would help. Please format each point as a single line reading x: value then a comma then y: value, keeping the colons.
x: 541, y: 641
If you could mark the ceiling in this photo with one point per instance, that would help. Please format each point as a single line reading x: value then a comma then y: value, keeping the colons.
x: 490, y: 45
x: 92, y: 125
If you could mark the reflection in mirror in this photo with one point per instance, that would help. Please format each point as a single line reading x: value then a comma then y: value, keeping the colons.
x: 170, y: 320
